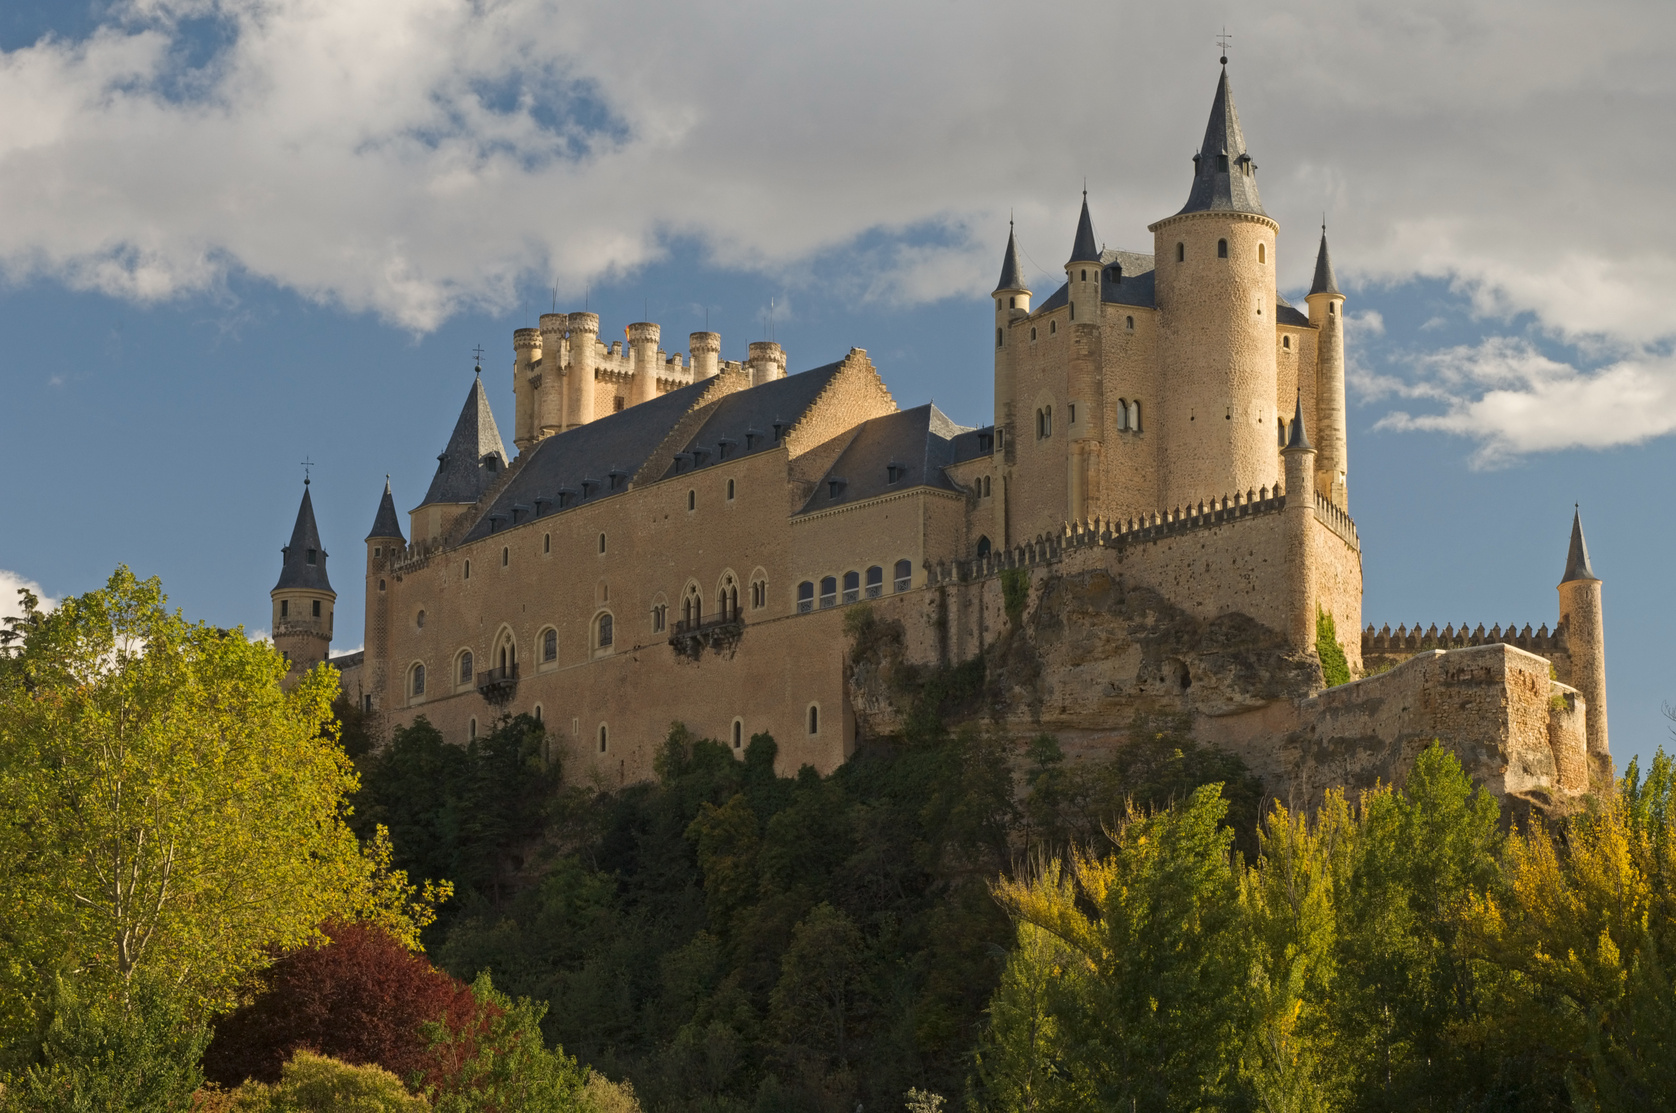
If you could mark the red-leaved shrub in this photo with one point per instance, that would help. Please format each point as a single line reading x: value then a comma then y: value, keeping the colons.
x: 361, y: 998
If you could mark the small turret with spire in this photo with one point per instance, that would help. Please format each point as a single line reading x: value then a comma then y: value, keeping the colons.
x: 303, y: 598
x: 1582, y: 620
x: 1012, y: 303
x: 1326, y: 313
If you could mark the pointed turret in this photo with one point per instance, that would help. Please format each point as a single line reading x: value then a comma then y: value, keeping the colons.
x: 1297, y: 438
x: 1086, y: 249
x: 1324, y: 282
x: 1224, y: 177
x: 304, y: 563
x: 474, y: 456
x: 385, y: 523
x: 1012, y: 271
x: 1577, y: 557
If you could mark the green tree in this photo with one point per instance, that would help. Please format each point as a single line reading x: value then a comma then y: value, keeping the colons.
x: 164, y: 807
x: 822, y: 985
x: 314, y: 1083
x: 502, y: 1063
x: 1335, y: 667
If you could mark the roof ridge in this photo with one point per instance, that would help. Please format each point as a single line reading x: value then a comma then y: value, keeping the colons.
x: 691, y: 421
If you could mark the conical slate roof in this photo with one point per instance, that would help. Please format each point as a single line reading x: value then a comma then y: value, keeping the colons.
x: 385, y: 523
x: 1324, y: 282
x: 1012, y: 271
x: 1298, y: 438
x: 1086, y: 249
x: 303, y: 564
x: 1225, y: 179
x: 1577, y: 558
x: 474, y: 456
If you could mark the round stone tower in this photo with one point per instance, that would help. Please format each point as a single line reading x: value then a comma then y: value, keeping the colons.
x: 1012, y: 303
x: 554, y: 355
x: 1585, y: 641
x: 1326, y: 313
x: 1215, y: 264
x: 579, y: 392
x: 303, y: 598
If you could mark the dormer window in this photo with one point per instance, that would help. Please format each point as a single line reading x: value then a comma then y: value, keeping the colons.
x: 616, y: 478
x: 751, y: 436
x: 779, y: 427
x: 586, y: 483
x: 490, y: 462
x: 833, y: 486
x: 311, y: 556
x: 893, y: 472
x: 1221, y: 164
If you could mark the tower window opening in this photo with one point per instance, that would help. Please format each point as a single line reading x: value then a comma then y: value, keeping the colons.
x: 1134, y: 417
x: 1332, y: 309
x: 546, y: 542
x: 738, y: 734
x: 1073, y: 310
x: 1280, y: 423
x: 1032, y: 334
x: 418, y: 680
x: 505, y: 556
x: 1181, y: 253
x: 550, y: 646
x: 1053, y: 327
x: 419, y: 620
x: 1084, y: 276
x: 1221, y: 249
x: 660, y: 618
x: 692, y: 500
x: 1286, y: 342
x: 814, y: 719
x: 617, y: 404
x: 602, y: 542
x: 605, y: 632
x: 1262, y: 253
x: 1122, y: 415
x: 467, y: 575
x: 465, y: 667
x: 986, y: 490
x: 378, y: 550
x: 1221, y: 164
x: 1012, y: 303
x: 317, y: 608
x: 380, y: 585
x: 998, y: 338
x: 730, y: 490
x: 285, y: 608
x: 602, y: 738
x: 538, y: 713
x: 311, y: 556
x: 1129, y: 323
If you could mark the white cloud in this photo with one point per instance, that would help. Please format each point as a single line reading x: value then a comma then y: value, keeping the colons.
x: 418, y: 158
x: 10, y: 582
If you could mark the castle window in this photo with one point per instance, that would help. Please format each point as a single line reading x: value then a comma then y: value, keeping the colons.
x: 1135, y: 417
x: 1122, y: 414
x: 984, y: 547
x: 285, y: 608
x: 1012, y: 303
x: 660, y: 618
x: 805, y: 597
x: 1262, y: 253
x: 311, y: 556
x: 468, y: 570
x: 1181, y: 252
x: 317, y: 608
x: 604, y: 637
x: 550, y: 646
x: 366, y: 704
x: 738, y: 734
x: 1129, y: 323
x: 602, y: 738
x: 829, y: 591
x: 1286, y: 342
x: 473, y: 727
x: 1044, y: 422
x: 505, y: 556
x: 875, y: 582
x: 730, y: 490
x: 1221, y: 249
x: 1332, y: 309
x: 1073, y: 306
x: 602, y: 543
x: 692, y: 500
x: 1073, y: 413
x: 1032, y: 334
x: 986, y: 491
x: 998, y: 337
x: 380, y: 585
x: 759, y: 594
x: 378, y: 550
x: 1053, y: 327
x: 1221, y: 164
x: 1084, y: 276
x: 1281, y: 422
x: 814, y: 719
x: 418, y: 680
x: 546, y: 542
x: 852, y: 587
x: 538, y: 713
x: 617, y: 404
x: 419, y: 620
x: 904, y: 575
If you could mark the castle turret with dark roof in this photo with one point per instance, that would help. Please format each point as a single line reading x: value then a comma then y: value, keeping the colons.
x: 1585, y: 638
x: 1326, y: 313
x: 1012, y: 303
x: 303, y: 598
x: 467, y: 467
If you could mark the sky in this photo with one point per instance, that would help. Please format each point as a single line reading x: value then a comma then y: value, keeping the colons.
x: 240, y: 234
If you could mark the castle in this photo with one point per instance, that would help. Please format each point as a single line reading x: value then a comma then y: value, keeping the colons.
x: 680, y: 538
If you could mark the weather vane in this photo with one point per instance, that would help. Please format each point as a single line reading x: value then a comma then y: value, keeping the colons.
x: 307, y: 464
x: 478, y: 351
x: 1223, y: 40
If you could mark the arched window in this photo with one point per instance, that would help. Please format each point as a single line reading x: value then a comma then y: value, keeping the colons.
x: 550, y: 646
x: 759, y: 593
x: 875, y: 582
x: 465, y: 667
x: 998, y: 335
x: 1122, y: 415
x: 419, y: 620
x: 692, y: 608
x: 538, y: 713
x: 473, y: 728
x: 605, y: 633
x: 602, y: 736
x: 1032, y: 334
x: 852, y: 587
x: 984, y: 547
x: 1084, y: 277
x: 1286, y: 342
x: 814, y: 718
x: 829, y: 591
x: 986, y: 491
x: 727, y: 599
x: 505, y: 556
x: 1053, y: 327
x: 1221, y: 249
x: 1072, y: 306
x: 904, y: 575
x: 660, y: 618
x: 692, y: 503
x: 1262, y: 253
x: 1134, y: 417
x: 1129, y: 323
x: 1012, y: 303
x: 738, y: 734
x: 380, y: 585
x: 1332, y: 309
x: 418, y: 684
x: 805, y: 597
x: 602, y: 542
x: 730, y: 490
x: 1181, y: 252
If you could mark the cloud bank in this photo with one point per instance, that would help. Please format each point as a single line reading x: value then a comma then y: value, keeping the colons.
x: 417, y: 159
x: 10, y: 583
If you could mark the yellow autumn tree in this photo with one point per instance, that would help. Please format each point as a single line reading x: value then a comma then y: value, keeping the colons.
x: 165, y: 809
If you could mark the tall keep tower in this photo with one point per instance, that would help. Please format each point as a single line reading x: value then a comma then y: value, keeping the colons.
x: 1585, y: 639
x: 1084, y: 381
x: 384, y: 542
x: 1216, y: 302
x: 303, y: 598
x: 1326, y: 313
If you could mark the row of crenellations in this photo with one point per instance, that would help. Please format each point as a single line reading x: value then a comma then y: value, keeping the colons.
x: 1405, y: 640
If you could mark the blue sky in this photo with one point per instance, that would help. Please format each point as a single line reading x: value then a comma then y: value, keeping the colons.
x: 234, y: 236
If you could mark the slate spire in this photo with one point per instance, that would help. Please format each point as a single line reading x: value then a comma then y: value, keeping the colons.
x: 1577, y: 557
x: 1012, y: 271
x: 303, y: 564
x: 1297, y: 438
x: 1086, y: 249
x: 1224, y: 177
x: 385, y: 523
x: 474, y: 457
x: 1324, y: 282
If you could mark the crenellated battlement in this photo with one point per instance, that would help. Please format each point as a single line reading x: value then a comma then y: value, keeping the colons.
x: 1406, y: 642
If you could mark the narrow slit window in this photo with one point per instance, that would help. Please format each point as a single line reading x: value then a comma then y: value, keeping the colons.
x: 1221, y: 249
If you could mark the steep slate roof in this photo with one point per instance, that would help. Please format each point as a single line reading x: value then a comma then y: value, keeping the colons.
x: 1012, y: 271
x: 385, y: 523
x: 973, y: 443
x: 1086, y: 248
x: 1324, y: 282
x: 1224, y: 186
x: 1577, y: 558
x: 920, y: 441
x: 295, y: 570
x: 623, y: 442
x: 461, y: 472
x: 1288, y: 314
x: 1297, y: 437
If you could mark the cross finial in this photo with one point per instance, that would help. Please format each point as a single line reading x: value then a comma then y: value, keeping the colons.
x: 307, y: 464
x: 1223, y: 40
x: 478, y: 352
